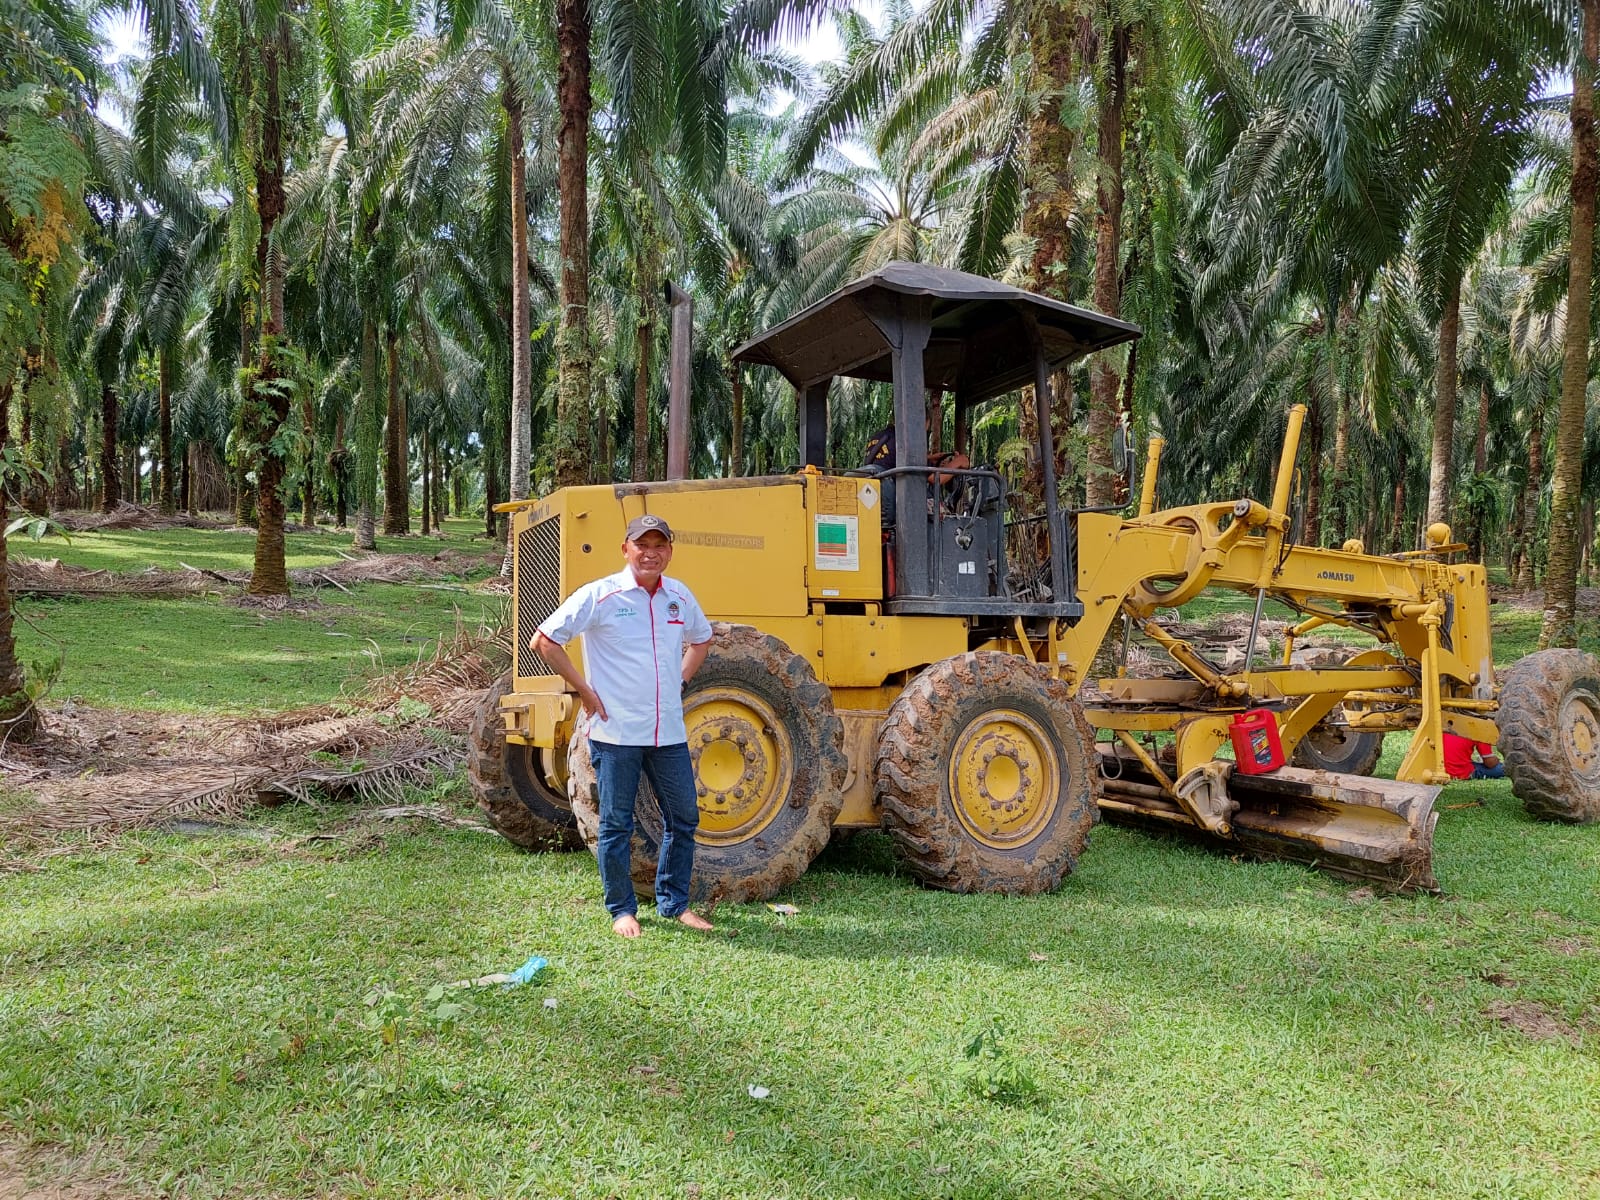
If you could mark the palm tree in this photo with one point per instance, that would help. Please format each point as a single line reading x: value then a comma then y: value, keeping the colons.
x: 1561, y: 578
x: 44, y: 79
x: 1473, y: 133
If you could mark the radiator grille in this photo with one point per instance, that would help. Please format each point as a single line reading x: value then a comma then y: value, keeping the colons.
x: 538, y: 588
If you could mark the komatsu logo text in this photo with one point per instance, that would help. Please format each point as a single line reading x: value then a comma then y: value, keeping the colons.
x: 1341, y: 576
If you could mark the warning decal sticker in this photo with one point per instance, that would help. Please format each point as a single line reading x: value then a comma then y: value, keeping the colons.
x: 838, y: 543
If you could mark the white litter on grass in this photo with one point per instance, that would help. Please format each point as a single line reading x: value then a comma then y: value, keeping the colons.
x: 785, y: 910
x: 549, y: 1001
x: 757, y: 1092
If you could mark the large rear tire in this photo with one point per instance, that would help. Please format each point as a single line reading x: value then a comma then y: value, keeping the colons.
x: 984, y: 771
x: 508, y: 781
x: 1550, y: 734
x: 770, y: 769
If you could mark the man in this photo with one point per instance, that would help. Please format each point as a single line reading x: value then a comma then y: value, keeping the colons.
x: 880, y: 456
x: 644, y: 638
x: 1459, y: 763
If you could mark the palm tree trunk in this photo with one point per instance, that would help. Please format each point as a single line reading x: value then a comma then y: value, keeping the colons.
x: 339, y: 471
x: 167, y: 501
x: 521, y: 316
x: 18, y: 719
x: 1586, y: 554
x: 369, y: 437
x: 441, y: 479
x: 644, y: 343
x: 736, y: 449
x: 1444, y: 405
x: 1566, y: 482
x: 33, y: 487
x: 244, y: 498
x: 490, y: 499
x: 1480, y: 445
x: 1337, y: 522
x: 1313, y: 428
x: 427, y: 488
x: 62, y: 496
x: 268, y: 576
x: 1047, y: 213
x: 396, y: 470
x: 1101, y: 483
x: 1397, y: 527
x: 1526, y: 578
x: 110, y: 491
x: 308, y: 486
x: 572, y: 343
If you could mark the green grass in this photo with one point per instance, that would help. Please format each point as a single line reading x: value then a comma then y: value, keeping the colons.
x: 224, y: 550
x: 191, y: 1013
x: 211, y: 654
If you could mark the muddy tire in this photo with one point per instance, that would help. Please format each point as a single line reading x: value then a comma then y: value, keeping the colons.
x: 769, y: 764
x: 1550, y: 734
x: 1332, y: 747
x: 985, y: 774
x: 508, y: 781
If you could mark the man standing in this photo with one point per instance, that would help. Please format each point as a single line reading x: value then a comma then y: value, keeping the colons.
x: 644, y: 638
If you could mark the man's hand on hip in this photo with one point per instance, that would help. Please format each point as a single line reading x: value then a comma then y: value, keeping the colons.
x: 592, y: 704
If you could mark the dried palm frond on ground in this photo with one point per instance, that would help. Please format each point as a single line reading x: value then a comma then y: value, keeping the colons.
x: 135, y: 516
x: 51, y: 577
x: 110, y: 770
x: 462, y: 665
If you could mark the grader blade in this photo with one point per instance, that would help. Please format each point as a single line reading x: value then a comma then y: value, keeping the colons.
x: 1376, y: 830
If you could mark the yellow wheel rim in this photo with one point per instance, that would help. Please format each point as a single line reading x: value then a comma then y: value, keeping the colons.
x: 1580, y: 729
x: 1005, y: 778
x: 743, y: 763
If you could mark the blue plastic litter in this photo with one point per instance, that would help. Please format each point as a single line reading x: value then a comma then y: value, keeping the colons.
x: 527, y: 971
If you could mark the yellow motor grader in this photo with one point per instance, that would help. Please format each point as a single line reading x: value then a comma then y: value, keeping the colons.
x: 909, y: 649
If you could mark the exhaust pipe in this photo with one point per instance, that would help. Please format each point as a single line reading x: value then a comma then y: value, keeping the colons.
x: 682, y: 306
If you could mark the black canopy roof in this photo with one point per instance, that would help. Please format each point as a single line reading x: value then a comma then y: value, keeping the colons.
x: 981, y: 343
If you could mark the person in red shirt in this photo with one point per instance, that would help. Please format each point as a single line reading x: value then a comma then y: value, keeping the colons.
x: 1459, y: 761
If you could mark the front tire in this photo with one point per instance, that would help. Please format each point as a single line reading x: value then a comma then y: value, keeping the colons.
x: 1550, y: 734
x: 508, y: 780
x: 985, y: 778
x: 768, y: 752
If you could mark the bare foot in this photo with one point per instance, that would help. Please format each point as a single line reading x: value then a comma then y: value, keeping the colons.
x: 694, y: 921
x: 627, y: 925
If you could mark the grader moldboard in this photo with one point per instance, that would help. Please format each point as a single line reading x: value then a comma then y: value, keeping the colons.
x: 935, y: 682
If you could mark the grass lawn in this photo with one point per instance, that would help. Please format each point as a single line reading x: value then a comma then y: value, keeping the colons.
x: 224, y: 549
x: 191, y: 1014
x: 211, y: 654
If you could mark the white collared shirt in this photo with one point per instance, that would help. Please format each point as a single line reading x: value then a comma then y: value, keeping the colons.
x: 633, y: 645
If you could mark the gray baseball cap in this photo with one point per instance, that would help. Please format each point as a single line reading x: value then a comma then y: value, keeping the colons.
x: 640, y: 526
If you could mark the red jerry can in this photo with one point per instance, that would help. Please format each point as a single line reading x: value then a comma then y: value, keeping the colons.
x: 1256, y: 747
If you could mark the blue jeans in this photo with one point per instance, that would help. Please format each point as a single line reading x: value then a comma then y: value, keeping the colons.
x: 671, y: 775
x: 1479, y: 771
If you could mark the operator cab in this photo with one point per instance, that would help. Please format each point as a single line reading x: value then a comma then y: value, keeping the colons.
x: 930, y: 330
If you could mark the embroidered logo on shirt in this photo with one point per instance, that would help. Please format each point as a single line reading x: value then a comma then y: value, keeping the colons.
x: 673, y: 610
x: 627, y: 612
